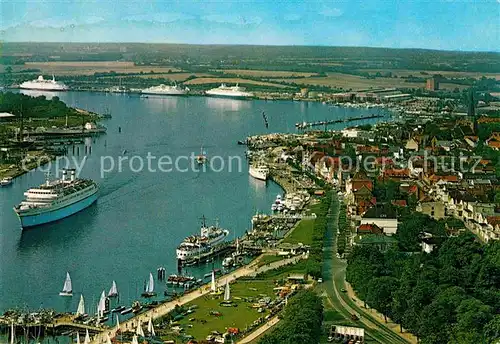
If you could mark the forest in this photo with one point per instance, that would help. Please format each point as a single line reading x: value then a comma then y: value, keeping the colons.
x: 301, y: 321
x: 448, y: 296
x: 34, y: 107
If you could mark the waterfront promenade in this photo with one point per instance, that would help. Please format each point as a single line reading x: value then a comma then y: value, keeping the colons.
x: 165, y: 308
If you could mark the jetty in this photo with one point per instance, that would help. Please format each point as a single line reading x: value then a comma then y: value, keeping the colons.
x: 304, y: 125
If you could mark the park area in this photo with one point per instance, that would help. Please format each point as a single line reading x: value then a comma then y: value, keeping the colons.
x: 251, y: 303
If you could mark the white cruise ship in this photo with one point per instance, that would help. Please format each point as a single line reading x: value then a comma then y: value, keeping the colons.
x: 56, y: 199
x: 196, y: 245
x: 258, y: 171
x: 162, y: 89
x: 229, y: 92
x: 44, y: 85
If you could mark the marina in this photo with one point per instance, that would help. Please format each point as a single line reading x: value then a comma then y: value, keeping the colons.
x: 122, y: 217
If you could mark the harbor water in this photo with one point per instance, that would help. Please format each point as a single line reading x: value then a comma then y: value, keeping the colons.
x: 141, y: 216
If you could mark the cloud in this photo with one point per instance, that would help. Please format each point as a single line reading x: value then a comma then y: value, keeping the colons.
x: 233, y: 19
x: 164, y: 17
x: 294, y: 17
x: 60, y: 22
x: 331, y: 12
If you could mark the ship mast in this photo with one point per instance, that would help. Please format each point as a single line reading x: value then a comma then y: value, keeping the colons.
x: 203, y: 218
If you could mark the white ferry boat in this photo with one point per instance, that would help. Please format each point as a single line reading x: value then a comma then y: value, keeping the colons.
x: 196, y: 245
x: 6, y: 181
x: 56, y: 199
x: 44, y: 85
x: 229, y: 92
x: 260, y: 172
x: 162, y: 89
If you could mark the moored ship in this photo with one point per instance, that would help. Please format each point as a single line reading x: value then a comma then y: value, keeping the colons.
x: 56, y: 200
x: 196, y: 245
x: 44, y: 85
x: 260, y: 172
x: 162, y: 89
x: 229, y: 92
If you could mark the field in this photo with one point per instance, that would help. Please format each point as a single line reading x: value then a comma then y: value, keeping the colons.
x: 231, y: 82
x: 355, y: 83
x: 88, y: 67
x: 240, y: 317
x: 265, y: 73
x: 423, y: 73
x: 302, y: 233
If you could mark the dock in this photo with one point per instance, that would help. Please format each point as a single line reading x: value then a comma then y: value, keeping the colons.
x: 305, y: 125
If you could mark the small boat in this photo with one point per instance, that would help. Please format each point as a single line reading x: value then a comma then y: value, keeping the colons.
x: 67, y: 288
x: 118, y: 309
x: 126, y: 311
x: 81, y: 307
x: 149, y: 290
x: 113, y: 292
x: 202, y: 158
x: 274, y: 207
x: 6, y: 181
x: 228, y: 262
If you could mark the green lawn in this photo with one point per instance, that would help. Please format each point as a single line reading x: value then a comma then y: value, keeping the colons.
x: 302, y: 233
x: 240, y: 317
x: 268, y: 259
x: 284, y: 271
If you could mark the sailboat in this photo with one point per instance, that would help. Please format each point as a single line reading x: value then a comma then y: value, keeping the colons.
x: 139, y: 330
x: 12, y: 333
x: 213, y: 286
x: 113, y: 292
x: 81, y: 307
x: 87, y: 337
x: 134, y: 340
x: 117, y: 323
x: 150, y: 287
x: 151, y: 328
x: 202, y: 158
x: 101, y: 306
x: 108, y: 340
x: 77, y: 337
x: 67, y: 288
x: 227, y: 292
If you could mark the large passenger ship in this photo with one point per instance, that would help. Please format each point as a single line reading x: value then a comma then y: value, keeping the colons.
x: 196, y: 245
x: 224, y: 91
x: 44, y: 85
x: 56, y: 199
x: 175, y: 90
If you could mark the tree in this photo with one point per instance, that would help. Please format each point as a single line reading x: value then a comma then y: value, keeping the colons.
x: 380, y: 291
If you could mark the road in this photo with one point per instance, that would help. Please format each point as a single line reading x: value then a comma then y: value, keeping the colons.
x: 255, y: 334
x: 165, y: 308
x: 334, y: 272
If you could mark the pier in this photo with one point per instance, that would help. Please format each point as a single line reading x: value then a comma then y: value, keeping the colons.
x: 305, y: 125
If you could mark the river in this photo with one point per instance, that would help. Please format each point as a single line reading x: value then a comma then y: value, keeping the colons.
x: 141, y: 217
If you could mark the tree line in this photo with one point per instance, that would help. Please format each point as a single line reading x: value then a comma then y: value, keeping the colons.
x: 448, y: 296
x: 301, y: 321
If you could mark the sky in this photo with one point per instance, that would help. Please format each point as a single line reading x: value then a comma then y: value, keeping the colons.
x: 470, y: 25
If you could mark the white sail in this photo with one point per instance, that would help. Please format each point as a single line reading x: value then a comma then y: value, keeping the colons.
x: 227, y: 292
x: 77, y: 337
x: 151, y: 328
x: 12, y: 334
x: 87, y: 337
x: 114, y: 290
x: 134, y: 339
x: 139, y: 330
x: 213, y: 287
x: 67, y: 288
x: 108, y: 340
x: 151, y: 285
x: 117, y: 323
x: 81, y: 306
x: 101, y: 306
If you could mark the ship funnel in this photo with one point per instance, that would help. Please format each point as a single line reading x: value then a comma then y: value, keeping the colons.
x: 64, y: 175
x: 73, y: 176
